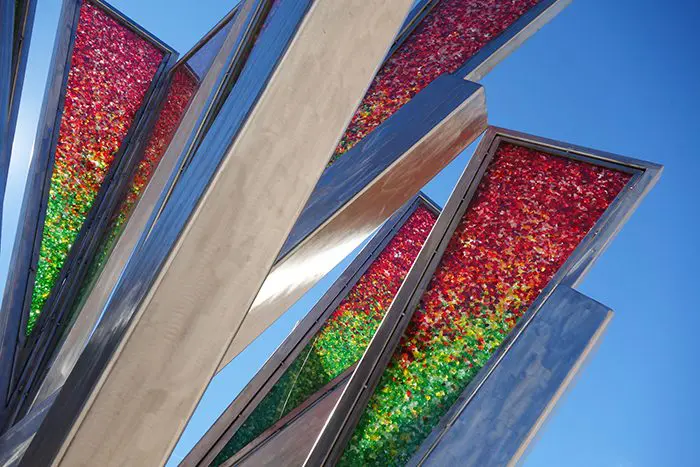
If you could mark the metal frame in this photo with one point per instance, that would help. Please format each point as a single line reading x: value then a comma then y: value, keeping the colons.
x: 340, y: 425
x: 289, y: 440
x: 305, y: 331
x: 62, y: 298
x: 75, y: 337
x: 495, y: 425
x: 177, y: 275
x: 7, y: 20
x: 14, y: 49
x: 29, y: 233
x: 41, y: 343
x: 391, y: 164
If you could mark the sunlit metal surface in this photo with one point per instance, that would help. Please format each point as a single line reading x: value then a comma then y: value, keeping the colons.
x: 141, y: 218
x: 497, y: 424
x: 186, y: 291
x: 256, y: 390
x: 340, y: 426
x: 361, y: 189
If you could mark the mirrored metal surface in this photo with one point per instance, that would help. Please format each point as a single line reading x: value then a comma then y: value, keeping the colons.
x: 341, y: 424
x: 92, y: 289
x: 177, y: 322
x: 243, y: 407
x: 495, y: 427
x: 358, y: 192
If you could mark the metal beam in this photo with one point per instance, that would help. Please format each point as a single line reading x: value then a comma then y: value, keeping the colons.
x: 391, y: 164
x: 340, y: 426
x: 164, y: 333
x: 141, y: 219
x: 236, y: 414
x: 495, y: 427
x: 357, y: 193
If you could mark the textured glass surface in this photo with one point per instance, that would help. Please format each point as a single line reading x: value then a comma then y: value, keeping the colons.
x: 529, y: 214
x: 110, y: 72
x: 453, y: 32
x: 344, y: 337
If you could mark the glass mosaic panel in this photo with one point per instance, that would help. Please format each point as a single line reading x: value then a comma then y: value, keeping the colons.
x: 450, y: 34
x: 111, y: 70
x: 344, y: 337
x: 183, y: 85
x: 530, y: 212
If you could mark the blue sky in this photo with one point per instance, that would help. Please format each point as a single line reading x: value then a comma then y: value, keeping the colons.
x: 620, y: 76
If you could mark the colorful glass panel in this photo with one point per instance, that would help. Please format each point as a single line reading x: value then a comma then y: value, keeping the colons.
x: 530, y: 212
x: 110, y: 73
x: 452, y: 33
x: 182, y: 87
x: 344, y: 337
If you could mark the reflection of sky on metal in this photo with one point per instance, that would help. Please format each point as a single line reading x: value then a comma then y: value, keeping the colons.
x: 532, y: 91
x: 200, y: 62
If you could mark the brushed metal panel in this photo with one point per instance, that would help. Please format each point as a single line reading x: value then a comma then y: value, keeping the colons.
x: 77, y: 336
x: 495, y: 427
x: 153, y: 354
x: 363, y: 188
x: 291, y: 439
x: 341, y: 423
x: 275, y: 367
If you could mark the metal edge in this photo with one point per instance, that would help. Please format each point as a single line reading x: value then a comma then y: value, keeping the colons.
x: 212, y: 96
x: 15, y: 441
x: 415, y: 18
x: 566, y: 385
x: 249, y: 25
x: 7, y: 19
x: 33, y: 202
x: 455, y: 412
x: 331, y: 442
x: 340, y: 425
x: 277, y: 364
x: 208, y: 36
x: 41, y: 345
x: 511, y: 38
x: 283, y: 423
x: 133, y: 25
x: 17, y: 80
x: 328, y: 186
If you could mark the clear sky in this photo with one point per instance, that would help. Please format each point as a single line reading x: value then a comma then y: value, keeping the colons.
x: 620, y: 76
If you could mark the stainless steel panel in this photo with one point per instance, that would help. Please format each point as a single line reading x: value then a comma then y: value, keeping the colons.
x: 363, y: 188
x: 497, y: 424
x: 164, y: 332
x: 274, y: 368
x: 340, y: 426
